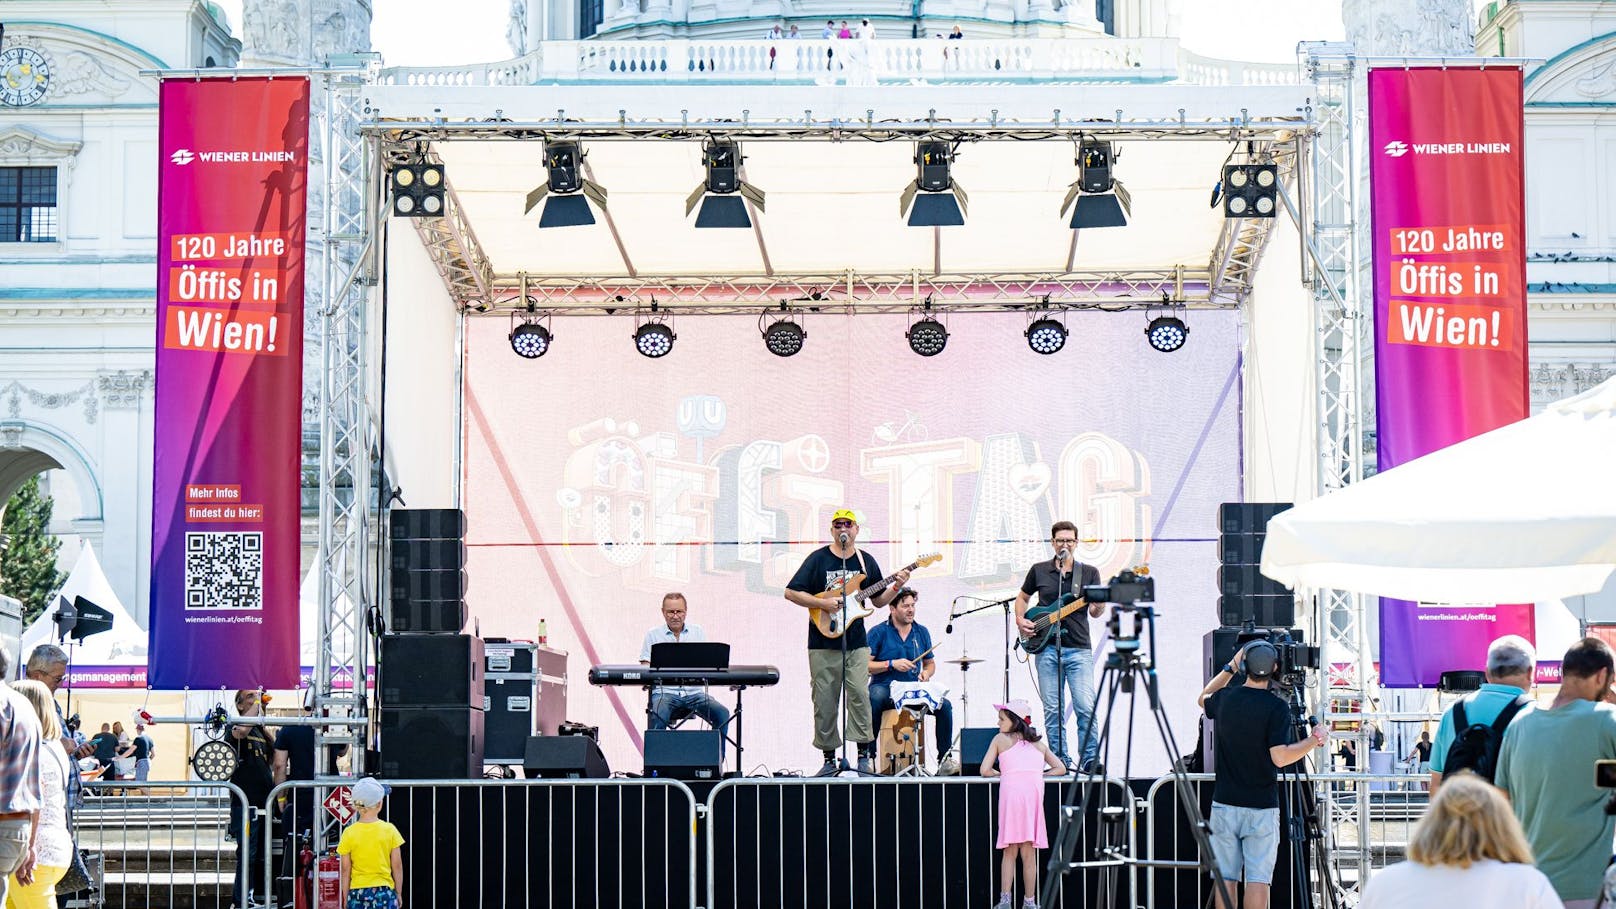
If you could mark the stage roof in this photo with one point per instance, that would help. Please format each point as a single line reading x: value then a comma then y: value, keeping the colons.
x: 833, y: 161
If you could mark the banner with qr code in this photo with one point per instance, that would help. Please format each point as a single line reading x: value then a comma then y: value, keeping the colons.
x: 232, y: 184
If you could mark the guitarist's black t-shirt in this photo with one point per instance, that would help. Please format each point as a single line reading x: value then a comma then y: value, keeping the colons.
x: 1049, y: 584
x: 818, y: 572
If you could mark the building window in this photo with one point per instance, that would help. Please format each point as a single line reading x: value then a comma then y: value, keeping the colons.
x: 590, y: 15
x: 27, y: 204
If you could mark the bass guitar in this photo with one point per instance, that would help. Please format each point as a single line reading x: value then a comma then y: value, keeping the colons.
x: 1046, y: 621
x: 855, y: 603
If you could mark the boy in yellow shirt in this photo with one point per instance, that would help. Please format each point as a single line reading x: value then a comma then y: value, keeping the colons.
x: 372, y: 865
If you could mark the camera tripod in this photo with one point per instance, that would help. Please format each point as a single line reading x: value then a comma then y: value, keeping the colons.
x: 1126, y: 671
x: 1300, y: 816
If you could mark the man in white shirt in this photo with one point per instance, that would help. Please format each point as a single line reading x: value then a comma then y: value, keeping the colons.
x: 671, y: 703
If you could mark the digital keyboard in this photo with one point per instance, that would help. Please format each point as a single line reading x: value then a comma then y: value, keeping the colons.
x: 636, y: 674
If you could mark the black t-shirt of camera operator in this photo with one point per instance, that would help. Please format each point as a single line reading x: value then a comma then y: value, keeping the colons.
x: 1247, y: 722
x: 1049, y: 584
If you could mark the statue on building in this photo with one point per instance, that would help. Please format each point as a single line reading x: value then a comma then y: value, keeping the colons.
x: 1399, y: 28
x: 516, y: 28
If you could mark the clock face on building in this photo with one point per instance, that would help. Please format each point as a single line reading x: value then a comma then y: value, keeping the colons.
x: 24, y: 76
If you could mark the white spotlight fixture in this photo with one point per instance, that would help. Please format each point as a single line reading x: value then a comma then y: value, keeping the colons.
x: 783, y: 337
x: 654, y: 337
x: 1046, y: 335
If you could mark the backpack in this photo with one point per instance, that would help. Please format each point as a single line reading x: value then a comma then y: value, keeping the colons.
x: 1475, y: 745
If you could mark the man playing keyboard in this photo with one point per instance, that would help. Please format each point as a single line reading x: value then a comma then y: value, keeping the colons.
x: 671, y: 703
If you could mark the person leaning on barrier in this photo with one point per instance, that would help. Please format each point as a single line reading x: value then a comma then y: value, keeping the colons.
x: 1546, y: 767
x: 22, y: 785
x: 53, y: 844
x: 1467, y: 851
x: 1511, y: 664
x: 1251, y: 741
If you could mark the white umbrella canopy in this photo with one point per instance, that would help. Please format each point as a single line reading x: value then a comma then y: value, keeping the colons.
x: 1524, y: 513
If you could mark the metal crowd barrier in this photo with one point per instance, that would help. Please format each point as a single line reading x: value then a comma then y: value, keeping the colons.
x: 606, y: 843
x: 157, y: 843
x: 888, y: 843
x: 1364, y: 822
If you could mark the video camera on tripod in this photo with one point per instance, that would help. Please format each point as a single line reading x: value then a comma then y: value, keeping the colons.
x: 1295, y: 657
x: 1125, y: 592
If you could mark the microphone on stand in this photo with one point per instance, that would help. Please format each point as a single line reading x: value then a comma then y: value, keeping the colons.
x: 842, y: 537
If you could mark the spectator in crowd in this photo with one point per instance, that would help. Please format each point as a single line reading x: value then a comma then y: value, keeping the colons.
x: 828, y: 34
x: 1467, y: 851
x: 105, y: 746
x: 844, y: 32
x: 956, y: 34
x: 48, y: 664
x: 1546, y: 767
x: 296, y: 759
x: 22, y: 785
x: 793, y: 33
x: 53, y: 844
x: 144, y: 750
x: 1511, y: 664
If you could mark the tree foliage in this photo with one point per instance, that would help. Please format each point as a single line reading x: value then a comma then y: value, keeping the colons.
x: 28, y: 557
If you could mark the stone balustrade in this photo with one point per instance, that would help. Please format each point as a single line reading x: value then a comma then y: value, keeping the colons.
x: 890, y: 61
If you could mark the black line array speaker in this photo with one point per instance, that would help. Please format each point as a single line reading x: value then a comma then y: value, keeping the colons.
x: 564, y: 757
x: 1244, y: 593
x: 431, y: 670
x: 425, y: 743
x: 683, y: 754
x: 427, y: 555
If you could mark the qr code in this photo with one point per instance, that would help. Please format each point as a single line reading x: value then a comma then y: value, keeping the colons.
x: 224, y: 570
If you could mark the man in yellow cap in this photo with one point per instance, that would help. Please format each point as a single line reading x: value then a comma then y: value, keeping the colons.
x: 839, y: 666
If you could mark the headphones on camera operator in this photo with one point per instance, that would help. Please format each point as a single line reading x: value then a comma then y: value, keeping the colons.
x: 1261, y: 660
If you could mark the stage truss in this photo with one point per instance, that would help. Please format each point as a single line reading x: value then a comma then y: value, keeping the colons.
x: 1321, y: 173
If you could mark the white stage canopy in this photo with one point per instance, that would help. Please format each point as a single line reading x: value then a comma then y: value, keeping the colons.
x: 1524, y: 513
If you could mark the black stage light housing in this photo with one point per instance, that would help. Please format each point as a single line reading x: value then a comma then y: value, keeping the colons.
x: 784, y: 338
x: 530, y: 340
x: 654, y: 339
x: 1046, y: 335
x: 927, y: 337
x: 1094, y: 160
x: 566, y: 193
x: 1167, y: 333
x: 1101, y: 199
x: 1250, y: 190
x: 418, y: 190
x: 722, y: 194
x: 934, y: 199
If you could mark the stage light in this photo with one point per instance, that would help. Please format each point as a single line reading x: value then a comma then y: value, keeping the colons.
x: 418, y: 190
x: 530, y: 337
x: 933, y: 199
x: 1167, y: 333
x: 1101, y: 199
x: 783, y: 337
x: 564, y: 181
x: 927, y: 337
x: 722, y: 194
x: 1046, y: 336
x: 654, y: 339
x: 1250, y: 190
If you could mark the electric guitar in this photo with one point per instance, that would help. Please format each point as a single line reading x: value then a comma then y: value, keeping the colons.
x: 833, y: 621
x: 1046, y: 621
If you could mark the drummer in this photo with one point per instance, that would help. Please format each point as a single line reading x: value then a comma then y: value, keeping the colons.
x: 900, y: 651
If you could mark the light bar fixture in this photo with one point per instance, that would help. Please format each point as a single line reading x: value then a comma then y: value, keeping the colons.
x: 933, y: 199
x: 1101, y: 199
x: 418, y: 190
x: 722, y: 194
x: 566, y: 193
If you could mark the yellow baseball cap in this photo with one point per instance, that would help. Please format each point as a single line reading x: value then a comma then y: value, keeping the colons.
x: 845, y: 514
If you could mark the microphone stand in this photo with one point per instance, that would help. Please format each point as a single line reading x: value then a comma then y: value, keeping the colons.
x: 1006, y: 603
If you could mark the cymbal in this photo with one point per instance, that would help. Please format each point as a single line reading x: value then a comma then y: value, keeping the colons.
x: 965, y: 662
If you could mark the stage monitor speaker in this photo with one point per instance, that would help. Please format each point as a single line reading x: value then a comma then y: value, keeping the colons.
x: 425, y: 743
x: 427, y: 616
x: 683, y: 754
x: 1248, y: 517
x: 974, y: 744
x: 427, y: 523
x: 564, y: 757
x: 1264, y: 611
x: 425, y: 670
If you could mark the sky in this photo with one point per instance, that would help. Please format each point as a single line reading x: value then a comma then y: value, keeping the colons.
x: 1263, y: 31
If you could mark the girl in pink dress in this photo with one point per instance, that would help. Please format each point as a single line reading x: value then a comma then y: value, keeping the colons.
x: 1023, y: 761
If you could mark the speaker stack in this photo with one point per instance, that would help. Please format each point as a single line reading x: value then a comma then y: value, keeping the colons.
x: 431, y: 677
x: 1244, y: 594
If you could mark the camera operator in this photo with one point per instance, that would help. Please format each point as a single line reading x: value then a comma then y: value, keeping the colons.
x: 1251, y: 743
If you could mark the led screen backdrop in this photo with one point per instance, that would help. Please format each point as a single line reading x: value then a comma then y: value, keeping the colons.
x: 596, y: 480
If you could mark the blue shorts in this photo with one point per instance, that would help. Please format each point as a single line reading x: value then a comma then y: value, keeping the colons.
x: 373, y: 898
x: 1245, y: 842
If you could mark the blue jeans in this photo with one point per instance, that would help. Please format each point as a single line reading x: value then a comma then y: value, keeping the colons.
x: 1074, y: 669
x: 668, y: 708
x: 943, y: 719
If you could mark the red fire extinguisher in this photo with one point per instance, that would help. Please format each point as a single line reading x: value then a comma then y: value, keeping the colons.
x: 303, y: 883
x: 328, y: 882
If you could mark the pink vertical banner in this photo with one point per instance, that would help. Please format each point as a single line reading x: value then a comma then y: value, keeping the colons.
x: 1448, y: 207
x: 233, y: 175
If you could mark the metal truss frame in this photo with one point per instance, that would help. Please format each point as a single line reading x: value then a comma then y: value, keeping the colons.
x: 347, y: 440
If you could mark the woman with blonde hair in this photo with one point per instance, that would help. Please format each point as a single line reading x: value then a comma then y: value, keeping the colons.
x: 1467, y: 851
x: 33, y: 886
